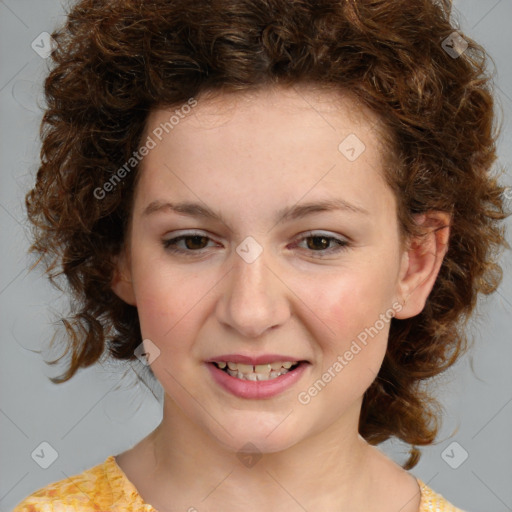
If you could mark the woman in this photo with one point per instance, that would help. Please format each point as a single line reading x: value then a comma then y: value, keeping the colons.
x: 285, y: 209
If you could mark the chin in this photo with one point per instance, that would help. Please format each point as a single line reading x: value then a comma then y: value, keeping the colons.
x: 252, y: 436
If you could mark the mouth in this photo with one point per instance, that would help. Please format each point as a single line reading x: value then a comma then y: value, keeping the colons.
x: 262, y: 377
x: 258, y: 372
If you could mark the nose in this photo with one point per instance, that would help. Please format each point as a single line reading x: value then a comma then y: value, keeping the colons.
x: 254, y: 299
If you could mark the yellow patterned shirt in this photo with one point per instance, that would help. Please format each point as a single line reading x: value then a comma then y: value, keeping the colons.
x: 105, y: 488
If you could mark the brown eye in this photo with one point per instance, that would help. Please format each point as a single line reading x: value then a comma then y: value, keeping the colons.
x: 316, y: 243
x: 196, y: 242
x: 320, y: 245
x: 186, y: 243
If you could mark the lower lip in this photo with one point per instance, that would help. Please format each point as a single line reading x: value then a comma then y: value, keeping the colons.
x: 256, y: 389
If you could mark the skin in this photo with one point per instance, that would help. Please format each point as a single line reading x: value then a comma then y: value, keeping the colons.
x: 247, y: 156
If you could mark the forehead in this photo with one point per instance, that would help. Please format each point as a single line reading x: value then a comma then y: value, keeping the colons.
x: 269, y: 145
x: 301, y: 101
x: 272, y: 121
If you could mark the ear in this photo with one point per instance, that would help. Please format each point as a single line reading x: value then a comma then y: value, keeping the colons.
x: 421, y: 262
x: 121, y: 283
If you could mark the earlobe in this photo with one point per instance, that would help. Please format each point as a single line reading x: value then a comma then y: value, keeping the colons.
x: 422, y: 261
x: 122, y: 284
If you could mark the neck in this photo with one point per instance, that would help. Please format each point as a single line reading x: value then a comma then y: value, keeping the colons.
x: 185, y: 461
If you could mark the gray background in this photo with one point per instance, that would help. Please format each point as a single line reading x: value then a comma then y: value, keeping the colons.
x: 103, y: 411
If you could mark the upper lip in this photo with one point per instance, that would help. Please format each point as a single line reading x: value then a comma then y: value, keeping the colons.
x: 254, y: 360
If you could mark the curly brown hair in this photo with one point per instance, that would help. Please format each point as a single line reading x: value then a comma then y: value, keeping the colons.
x: 116, y: 60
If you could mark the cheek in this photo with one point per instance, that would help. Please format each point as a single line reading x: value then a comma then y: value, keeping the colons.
x: 167, y: 315
x: 166, y: 298
x: 173, y: 306
x: 358, y: 315
x: 168, y: 310
x: 353, y: 299
x: 356, y: 308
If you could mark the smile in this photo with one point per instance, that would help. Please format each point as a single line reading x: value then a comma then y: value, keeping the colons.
x: 257, y: 372
x: 256, y: 381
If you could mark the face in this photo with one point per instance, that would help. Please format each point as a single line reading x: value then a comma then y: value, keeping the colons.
x: 263, y: 232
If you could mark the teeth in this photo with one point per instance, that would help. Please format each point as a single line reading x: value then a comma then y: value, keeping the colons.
x: 259, y: 368
x: 262, y: 368
x: 256, y: 376
x: 245, y: 368
x: 256, y: 372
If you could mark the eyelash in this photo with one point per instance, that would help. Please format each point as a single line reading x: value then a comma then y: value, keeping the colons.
x: 171, y: 244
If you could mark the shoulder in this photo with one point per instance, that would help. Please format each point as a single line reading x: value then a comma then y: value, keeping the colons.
x: 433, y: 502
x: 102, y: 487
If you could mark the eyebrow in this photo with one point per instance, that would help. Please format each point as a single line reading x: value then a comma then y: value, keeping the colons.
x: 289, y: 213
